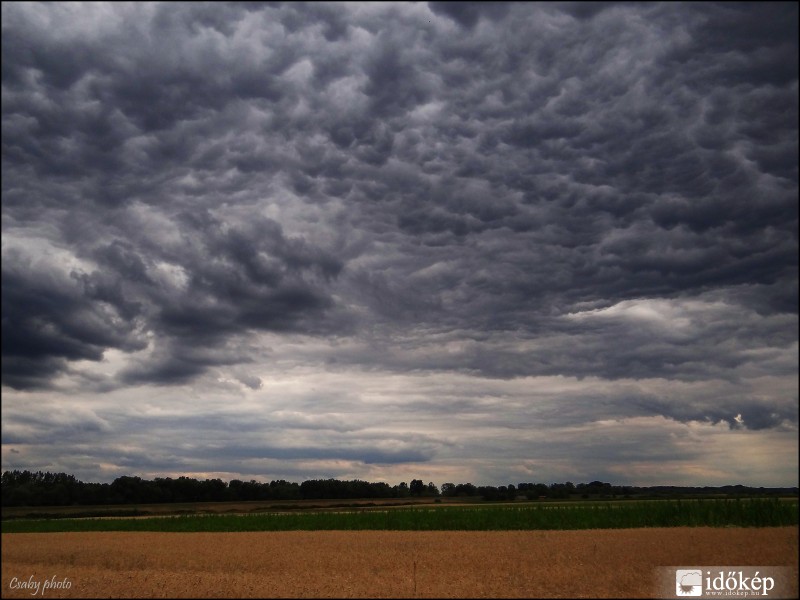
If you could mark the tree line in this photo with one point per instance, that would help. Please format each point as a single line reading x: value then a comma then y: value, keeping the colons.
x: 27, y: 488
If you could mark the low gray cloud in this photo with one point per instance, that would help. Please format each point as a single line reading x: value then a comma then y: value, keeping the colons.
x: 203, y: 200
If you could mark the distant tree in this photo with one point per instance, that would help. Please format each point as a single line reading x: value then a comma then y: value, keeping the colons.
x: 489, y: 492
x: 466, y: 489
x: 212, y: 490
x: 558, y: 490
x: 28, y: 488
x: 416, y: 487
x: 540, y: 489
x: 283, y: 490
x: 127, y: 490
x: 235, y: 490
x: 56, y: 495
x: 511, y: 493
x: 21, y: 495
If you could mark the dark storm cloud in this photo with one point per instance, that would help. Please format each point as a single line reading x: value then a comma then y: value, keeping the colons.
x: 48, y: 320
x: 250, y: 277
x: 555, y: 186
x: 238, y: 279
x: 467, y: 14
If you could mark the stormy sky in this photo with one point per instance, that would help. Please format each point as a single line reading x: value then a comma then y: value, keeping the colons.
x: 488, y: 243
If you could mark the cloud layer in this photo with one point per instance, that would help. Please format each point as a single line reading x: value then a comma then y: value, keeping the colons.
x: 454, y: 240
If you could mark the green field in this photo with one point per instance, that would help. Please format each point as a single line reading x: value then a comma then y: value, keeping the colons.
x: 586, y: 515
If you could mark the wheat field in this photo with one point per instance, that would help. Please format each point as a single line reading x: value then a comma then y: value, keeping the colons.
x: 379, y: 564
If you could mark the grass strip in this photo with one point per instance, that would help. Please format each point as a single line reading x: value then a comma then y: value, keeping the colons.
x: 668, y: 513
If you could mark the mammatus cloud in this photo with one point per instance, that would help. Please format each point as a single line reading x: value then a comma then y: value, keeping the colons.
x: 450, y: 236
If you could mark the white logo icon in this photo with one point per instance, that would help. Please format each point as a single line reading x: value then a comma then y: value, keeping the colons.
x: 688, y: 583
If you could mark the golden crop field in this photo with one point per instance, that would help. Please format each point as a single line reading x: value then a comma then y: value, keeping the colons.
x: 341, y: 564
